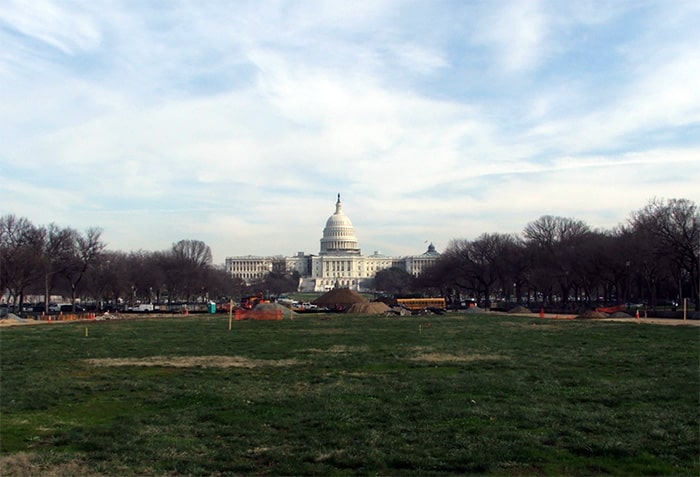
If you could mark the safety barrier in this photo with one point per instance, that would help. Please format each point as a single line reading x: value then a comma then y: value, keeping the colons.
x: 260, y: 315
x: 611, y: 309
x: 69, y: 317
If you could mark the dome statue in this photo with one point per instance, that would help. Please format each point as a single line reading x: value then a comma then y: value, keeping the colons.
x: 339, y: 234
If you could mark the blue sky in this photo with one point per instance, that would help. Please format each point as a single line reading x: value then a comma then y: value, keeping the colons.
x: 238, y: 122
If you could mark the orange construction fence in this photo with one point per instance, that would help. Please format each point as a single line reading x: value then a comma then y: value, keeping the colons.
x: 611, y: 309
x: 261, y: 315
x: 69, y: 317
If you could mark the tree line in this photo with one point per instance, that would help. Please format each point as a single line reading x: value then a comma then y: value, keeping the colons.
x: 652, y: 259
x: 555, y: 261
x: 52, y: 260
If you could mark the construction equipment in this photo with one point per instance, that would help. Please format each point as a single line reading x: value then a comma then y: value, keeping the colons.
x: 248, y: 303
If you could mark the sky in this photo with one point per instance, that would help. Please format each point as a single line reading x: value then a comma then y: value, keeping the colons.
x: 237, y: 123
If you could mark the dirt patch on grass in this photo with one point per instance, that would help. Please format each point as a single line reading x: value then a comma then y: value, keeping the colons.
x: 457, y: 358
x: 538, y: 325
x: 194, y: 362
x: 655, y: 321
x: 373, y: 308
x: 347, y: 349
x: 27, y: 464
x: 337, y: 349
x: 329, y: 331
x: 519, y: 310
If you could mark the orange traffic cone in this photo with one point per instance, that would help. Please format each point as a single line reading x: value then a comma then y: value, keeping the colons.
x: 541, y: 312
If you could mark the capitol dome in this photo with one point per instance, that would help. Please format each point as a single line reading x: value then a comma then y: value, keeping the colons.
x: 339, y: 234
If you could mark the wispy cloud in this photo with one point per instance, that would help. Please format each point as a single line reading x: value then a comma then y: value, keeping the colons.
x: 232, y: 121
x: 517, y: 33
x: 52, y: 24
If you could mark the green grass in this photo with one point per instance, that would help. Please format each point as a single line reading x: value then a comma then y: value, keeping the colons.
x: 349, y: 395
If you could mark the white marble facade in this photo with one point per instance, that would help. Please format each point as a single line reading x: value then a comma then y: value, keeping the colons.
x: 339, y: 263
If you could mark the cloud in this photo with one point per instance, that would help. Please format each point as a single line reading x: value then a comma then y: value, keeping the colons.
x: 65, y: 30
x: 660, y: 97
x: 516, y: 32
x: 232, y: 121
x: 421, y: 59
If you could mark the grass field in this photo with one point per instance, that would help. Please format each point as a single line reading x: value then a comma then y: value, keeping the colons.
x: 350, y: 395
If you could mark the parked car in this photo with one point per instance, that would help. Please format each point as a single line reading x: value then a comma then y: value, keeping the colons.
x: 69, y: 309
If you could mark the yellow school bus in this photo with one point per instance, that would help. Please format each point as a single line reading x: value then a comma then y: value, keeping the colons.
x: 422, y: 303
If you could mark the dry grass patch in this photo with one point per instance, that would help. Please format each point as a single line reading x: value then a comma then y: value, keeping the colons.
x: 27, y: 464
x: 259, y: 450
x: 457, y: 358
x: 337, y: 349
x: 334, y: 454
x: 347, y: 349
x: 536, y: 325
x: 421, y: 349
x: 355, y: 374
x: 194, y: 362
x: 329, y: 331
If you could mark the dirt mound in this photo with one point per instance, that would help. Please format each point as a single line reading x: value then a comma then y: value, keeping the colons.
x: 620, y: 314
x: 474, y: 310
x: 520, y: 309
x: 340, y: 296
x: 430, y: 311
x: 590, y: 314
x: 286, y: 312
x: 373, y: 308
x: 15, y: 318
x: 398, y: 311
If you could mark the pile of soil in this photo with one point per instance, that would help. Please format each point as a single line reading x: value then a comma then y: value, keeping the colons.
x: 520, y: 309
x: 590, y: 314
x: 399, y: 311
x: 475, y: 310
x: 12, y: 319
x: 373, y: 308
x: 340, y: 297
x: 431, y: 311
x: 286, y: 312
x: 620, y: 314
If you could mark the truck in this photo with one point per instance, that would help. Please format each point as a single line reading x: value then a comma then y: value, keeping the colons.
x: 143, y: 307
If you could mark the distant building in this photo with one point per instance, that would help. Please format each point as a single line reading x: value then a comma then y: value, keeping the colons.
x: 339, y: 263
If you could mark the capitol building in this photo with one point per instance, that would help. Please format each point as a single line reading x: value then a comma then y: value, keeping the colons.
x: 339, y: 263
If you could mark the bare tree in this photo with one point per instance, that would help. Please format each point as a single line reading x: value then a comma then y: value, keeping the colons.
x: 225, y: 287
x: 85, y: 253
x: 58, y: 247
x: 438, y: 279
x: 478, y: 264
x: 674, y: 225
x: 395, y: 281
x: 508, y: 264
x: 189, y: 260
x: 454, y: 269
x: 146, y: 276
x: 554, y: 243
x: 601, y: 264
x: 276, y: 283
x: 107, y: 279
x: 20, y: 259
